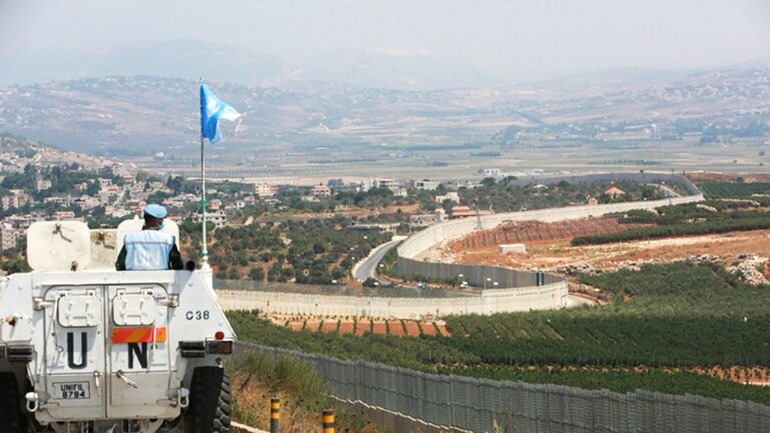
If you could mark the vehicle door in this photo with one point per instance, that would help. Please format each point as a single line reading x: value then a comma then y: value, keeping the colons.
x: 140, y: 371
x: 74, y: 352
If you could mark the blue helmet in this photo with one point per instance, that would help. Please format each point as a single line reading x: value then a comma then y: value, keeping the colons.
x: 155, y: 210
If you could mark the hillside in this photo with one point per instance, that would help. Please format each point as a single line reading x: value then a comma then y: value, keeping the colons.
x: 326, y: 126
x: 16, y: 152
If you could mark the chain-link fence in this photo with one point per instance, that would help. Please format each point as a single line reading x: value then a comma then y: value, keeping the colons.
x: 474, y: 404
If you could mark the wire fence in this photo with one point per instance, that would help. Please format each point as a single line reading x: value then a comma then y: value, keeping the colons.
x: 474, y: 404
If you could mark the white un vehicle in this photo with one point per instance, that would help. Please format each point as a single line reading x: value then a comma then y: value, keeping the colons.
x: 87, y: 349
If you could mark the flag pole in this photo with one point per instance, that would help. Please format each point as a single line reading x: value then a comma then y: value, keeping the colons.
x: 212, y: 109
x: 204, y: 250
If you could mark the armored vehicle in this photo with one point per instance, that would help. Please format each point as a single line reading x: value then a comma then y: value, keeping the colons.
x: 88, y: 349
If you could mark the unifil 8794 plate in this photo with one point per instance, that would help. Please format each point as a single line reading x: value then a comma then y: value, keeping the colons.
x: 71, y: 390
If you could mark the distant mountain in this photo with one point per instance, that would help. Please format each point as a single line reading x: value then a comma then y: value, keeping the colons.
x: 387, y: 68
x: 761, y: 62
x: 620, y: 78
x: 378, y: 68
x: 607, y: 79
x: 382, y: 68
x: 177, y: 59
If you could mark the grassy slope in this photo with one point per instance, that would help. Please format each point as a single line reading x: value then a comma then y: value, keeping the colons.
x: 256, y: 377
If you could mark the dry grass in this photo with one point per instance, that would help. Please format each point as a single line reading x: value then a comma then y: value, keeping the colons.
x: 256, y: 377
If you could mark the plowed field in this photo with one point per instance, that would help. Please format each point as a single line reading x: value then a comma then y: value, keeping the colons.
x: 393, y: 327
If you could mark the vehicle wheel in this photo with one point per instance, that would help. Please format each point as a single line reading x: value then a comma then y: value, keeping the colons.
x: 209, y: 410
x: 10, y: 404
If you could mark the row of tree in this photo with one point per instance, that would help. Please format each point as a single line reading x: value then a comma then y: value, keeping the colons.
x: 761, y: 221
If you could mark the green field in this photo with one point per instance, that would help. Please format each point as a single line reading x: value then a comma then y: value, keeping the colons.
x: 733, y: 190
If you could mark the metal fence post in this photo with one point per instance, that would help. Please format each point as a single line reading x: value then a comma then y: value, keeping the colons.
x: 328, y: 421
x: 275, y: 415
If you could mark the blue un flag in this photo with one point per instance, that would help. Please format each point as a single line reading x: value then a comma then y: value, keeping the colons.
x: 213, y: 109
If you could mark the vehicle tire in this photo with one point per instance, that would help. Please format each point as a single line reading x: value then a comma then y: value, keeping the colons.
x: 11, y: 414
x: 209, y: 410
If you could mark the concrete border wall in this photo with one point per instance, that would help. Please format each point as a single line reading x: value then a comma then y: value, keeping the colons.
x: 476, y: 275
x: 491, y: 301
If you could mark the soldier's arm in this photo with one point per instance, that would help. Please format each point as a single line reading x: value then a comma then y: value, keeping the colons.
x: 121, y: 263
x: 175, y: 259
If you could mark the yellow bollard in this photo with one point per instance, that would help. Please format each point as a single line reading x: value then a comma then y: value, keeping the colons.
x: 275, y: 415
x: 328, y: 421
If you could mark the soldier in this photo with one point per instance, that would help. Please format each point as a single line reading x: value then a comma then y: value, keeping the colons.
x: 150, y: 249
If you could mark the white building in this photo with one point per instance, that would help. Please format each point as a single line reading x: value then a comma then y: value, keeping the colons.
x: 266, y: 190
x: 9, y: 236
x: 321, y: 191
x: 400, y: 192
x: 42, y: 184
x: 424, y: 220
x: 451, y: 196
x: 386, y: 182
x: 218, y: 218
x: 17, y: 199
x: 427, y: 185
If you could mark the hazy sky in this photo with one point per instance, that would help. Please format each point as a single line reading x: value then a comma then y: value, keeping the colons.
x: 494, y: 36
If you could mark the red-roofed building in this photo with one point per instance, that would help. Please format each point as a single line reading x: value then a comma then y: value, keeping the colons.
x: 614, y: 191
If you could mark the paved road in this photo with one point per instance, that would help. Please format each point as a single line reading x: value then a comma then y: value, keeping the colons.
x: 365, y: 268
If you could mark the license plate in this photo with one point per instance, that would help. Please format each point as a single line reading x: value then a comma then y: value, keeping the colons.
x: 71, y: 390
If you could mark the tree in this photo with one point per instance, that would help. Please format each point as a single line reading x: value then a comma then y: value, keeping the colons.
x: 232, y: 274
x: 338, y: 273
x: 257, y: 274
x: 93, y: 188
x: 507, y: 180
x: 429, y: 205
x: 447, y: 205
x: 488, y: 181
x: 274, y: 274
